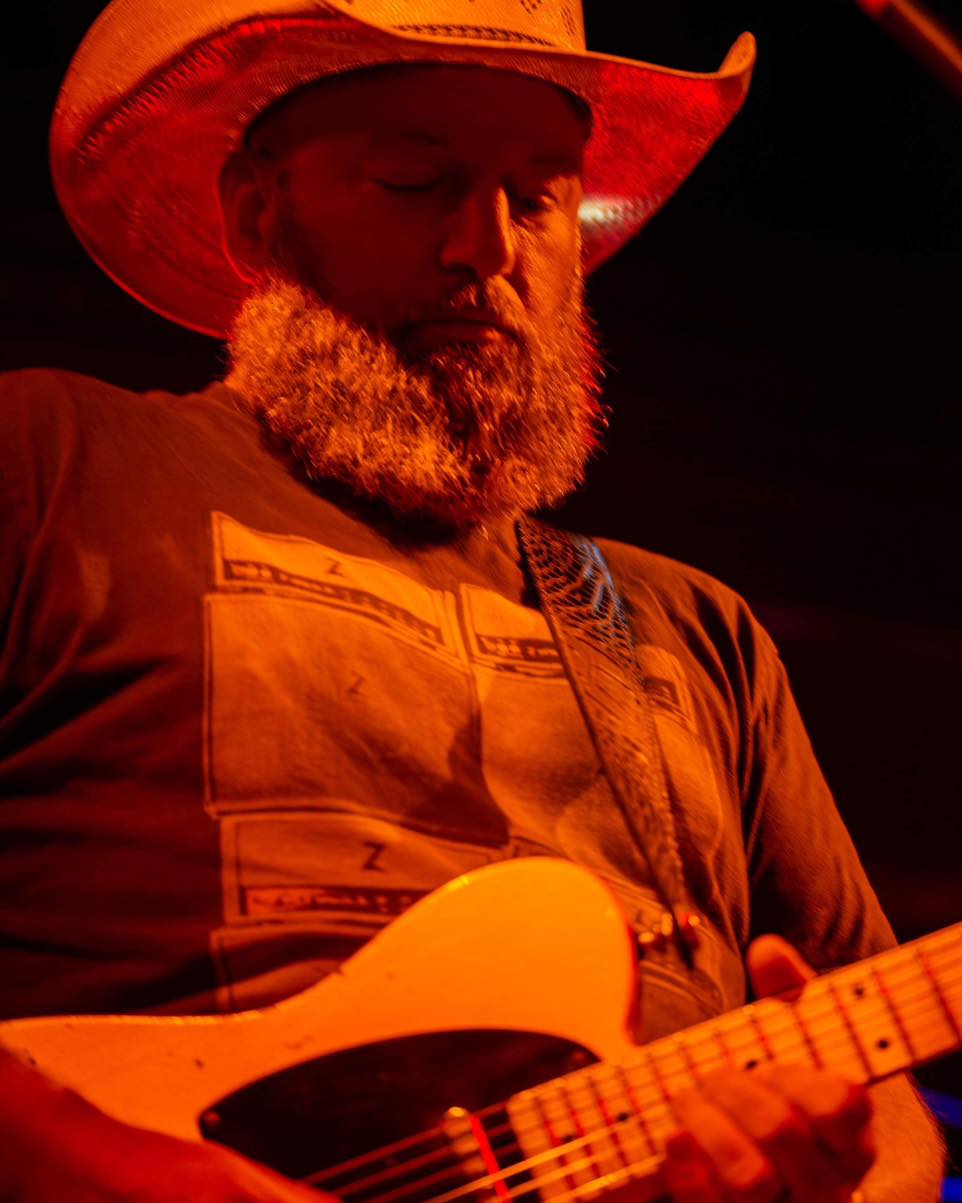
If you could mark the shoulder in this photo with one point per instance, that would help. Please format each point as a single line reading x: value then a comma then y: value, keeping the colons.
x: 62, y: 430
x: 33, y: 398
x: 711, y: 620
x: 49, y: 385
x: 44, y: 390
x: 55, y: 411
x: 671, y: 584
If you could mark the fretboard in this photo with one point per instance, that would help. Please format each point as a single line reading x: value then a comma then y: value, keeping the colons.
x: 866, y: 1021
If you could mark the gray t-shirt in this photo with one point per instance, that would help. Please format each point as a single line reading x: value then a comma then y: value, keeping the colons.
x: 243, y: 727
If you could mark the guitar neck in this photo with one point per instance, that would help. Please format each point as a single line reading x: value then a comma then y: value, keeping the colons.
x: 867, y: 1021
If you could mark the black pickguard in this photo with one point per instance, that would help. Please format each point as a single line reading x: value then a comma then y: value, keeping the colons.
x: 316, y: 1115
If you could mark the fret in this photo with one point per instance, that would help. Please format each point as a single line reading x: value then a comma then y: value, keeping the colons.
x: 591, y: 1119
x: 911, y: 992
x: 808, y: 1041
x: 943, y: 958
x: 830, y: 1030
x: 740, y: 1038
x: 636, y: 1134
x: 565, y: 1127
x: 535, y: 1139
x: 671, y: 1069
x: 616, y: 1119
x: 781, y: 1033
x: 651, y: 1090
x: 681, y: 1048
x: 718, y: 1034
x: 867, y: 1021
x: 890, y: 1003
x: 756, y: 1019
x: 654, y: 1092
x: 948, y: 1016
x: 702, y: 1049
x: 880, y: 1038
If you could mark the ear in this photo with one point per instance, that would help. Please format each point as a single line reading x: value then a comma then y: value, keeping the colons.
x: 247, y: 214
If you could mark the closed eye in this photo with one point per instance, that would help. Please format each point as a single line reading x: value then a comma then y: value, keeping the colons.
x: 526, y: 206
x: 425, y: 187
x: 534, y: 204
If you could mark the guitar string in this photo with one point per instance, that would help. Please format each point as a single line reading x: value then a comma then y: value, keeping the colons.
x: 636, y: 1170
x: 540, y: 1179
x: 556, y: 1153
x: 660, y: 1125
x: 560, y: 1172
x: 653, y: 1101
x: 632, y: 1170
x: 657, y: 1103
x: 563, y: 1156
x: 727, y: 1025
x: 560, y: 1153
x: 564, y: 1169
x: 639, y: 1169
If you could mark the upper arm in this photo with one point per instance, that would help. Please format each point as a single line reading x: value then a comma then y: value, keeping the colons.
x: 806, y: 879
x: 18, y: 486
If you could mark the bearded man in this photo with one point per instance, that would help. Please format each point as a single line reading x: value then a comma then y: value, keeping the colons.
x: 282, y: 657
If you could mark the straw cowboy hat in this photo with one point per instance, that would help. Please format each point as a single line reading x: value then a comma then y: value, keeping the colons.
x: 162, y: 91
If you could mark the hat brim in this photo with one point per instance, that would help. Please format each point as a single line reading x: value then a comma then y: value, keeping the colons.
x: 138, y: 176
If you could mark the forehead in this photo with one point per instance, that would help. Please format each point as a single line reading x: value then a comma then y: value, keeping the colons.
x: 459, y: 107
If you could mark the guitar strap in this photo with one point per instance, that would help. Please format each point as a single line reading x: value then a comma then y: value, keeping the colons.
x: 597, y: 647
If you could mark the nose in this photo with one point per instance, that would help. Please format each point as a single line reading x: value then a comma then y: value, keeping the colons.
x: 479, y: 234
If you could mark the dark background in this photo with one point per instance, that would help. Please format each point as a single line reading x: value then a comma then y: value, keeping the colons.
x: 783, y: 347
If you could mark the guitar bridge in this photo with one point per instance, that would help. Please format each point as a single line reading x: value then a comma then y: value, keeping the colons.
x: 471, y: 1145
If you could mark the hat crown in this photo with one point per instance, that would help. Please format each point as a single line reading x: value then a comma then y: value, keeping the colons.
x: 557, y: 23
x: 131, y: 38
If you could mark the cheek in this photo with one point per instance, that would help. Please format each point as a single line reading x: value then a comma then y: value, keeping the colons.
x: 550, y: 262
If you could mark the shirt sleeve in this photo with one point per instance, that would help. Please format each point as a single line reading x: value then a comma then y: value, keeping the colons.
x: 807, y: 882
x: 18, y: 499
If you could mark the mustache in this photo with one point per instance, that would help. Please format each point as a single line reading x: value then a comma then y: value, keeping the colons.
x: 496, y: 300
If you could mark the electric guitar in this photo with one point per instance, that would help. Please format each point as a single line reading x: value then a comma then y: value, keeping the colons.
x: 479, y: 1047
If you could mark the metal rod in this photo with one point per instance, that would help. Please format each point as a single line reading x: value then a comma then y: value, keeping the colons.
x: 923, y: 36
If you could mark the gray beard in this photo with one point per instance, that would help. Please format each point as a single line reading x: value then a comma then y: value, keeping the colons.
x: 465, y: 434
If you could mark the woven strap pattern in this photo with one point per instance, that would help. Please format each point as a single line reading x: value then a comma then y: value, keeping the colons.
x: 596, y: 644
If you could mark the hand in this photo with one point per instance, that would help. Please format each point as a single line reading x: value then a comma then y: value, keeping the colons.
x: 75, y: 1152
x: 779, y: 1134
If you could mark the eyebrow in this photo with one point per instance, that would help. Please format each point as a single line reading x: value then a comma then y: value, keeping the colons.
x: 401, y: 135
x: 562, y: 161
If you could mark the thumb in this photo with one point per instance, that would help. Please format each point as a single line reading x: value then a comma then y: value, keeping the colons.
x: 775, y: 967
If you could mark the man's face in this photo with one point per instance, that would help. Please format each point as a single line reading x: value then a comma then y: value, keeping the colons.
x: 398, y: 187
x: 417, y: 328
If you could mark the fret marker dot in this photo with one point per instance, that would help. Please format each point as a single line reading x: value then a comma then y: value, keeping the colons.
x: 568, y: 1138
x: 753, y: 1064
x: 859, y: 991
x: 883, y: 1043
x: 622, y: 1117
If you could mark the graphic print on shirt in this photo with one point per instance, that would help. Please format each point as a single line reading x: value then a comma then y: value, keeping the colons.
x: 368, y: 738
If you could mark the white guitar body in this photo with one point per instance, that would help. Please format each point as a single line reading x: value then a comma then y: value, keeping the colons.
x: 466, y: 957
x: 479, y: 1048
